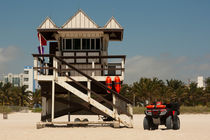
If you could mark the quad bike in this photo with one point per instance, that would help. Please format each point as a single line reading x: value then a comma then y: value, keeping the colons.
x: 161, y: 114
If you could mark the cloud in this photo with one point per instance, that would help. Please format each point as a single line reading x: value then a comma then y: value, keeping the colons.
x: 7, y: 56
x: 166, y: 67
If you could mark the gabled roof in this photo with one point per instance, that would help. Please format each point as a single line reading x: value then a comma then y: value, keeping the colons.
x: 112, y: 24
x: 80, y: 20
x: 47, y: 24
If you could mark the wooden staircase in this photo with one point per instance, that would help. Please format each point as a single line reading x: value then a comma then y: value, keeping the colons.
x: 113, y: 113
x: 119, y: 108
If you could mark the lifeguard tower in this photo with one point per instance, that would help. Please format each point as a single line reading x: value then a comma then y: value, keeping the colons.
x: 73, y: 75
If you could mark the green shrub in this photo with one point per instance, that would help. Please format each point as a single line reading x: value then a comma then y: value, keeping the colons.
x: 5, y: 109
x: 183, y: 109
x: 194, y: 109
x: 208, y: 104
x: 138, y: 110
x: 10, y: 109
x: 37, y: 110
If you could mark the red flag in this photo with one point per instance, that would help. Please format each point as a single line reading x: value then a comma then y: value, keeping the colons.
x: 43, y: 41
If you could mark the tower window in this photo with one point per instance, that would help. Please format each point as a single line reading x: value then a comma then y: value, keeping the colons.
x: 98, y: 44
x: 85, y: 44
x: 82, y: 44
x: 68, y: 44
x: 76, y: 44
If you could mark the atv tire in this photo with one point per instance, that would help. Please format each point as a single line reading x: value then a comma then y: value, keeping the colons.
x: 176, y: 124
x: 154, y: 127
x: 146, y: 123
x: 169, y: 122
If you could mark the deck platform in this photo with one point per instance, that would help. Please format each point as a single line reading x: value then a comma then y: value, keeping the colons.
x: 39, y: 125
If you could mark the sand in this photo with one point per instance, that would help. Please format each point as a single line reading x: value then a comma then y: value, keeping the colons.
x: 22, y: 126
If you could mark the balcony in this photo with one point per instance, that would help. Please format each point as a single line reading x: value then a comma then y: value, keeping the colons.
x: 46, y: 66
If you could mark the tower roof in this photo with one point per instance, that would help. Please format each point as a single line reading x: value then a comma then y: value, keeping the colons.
x: 48, y: 24
x: 80, y: 20
x: 112, y: 24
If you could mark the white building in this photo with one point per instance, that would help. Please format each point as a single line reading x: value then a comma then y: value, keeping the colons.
x: 29, y: 78
x: 26, y: 78
x: 14, y: 79
x: 200, y: 82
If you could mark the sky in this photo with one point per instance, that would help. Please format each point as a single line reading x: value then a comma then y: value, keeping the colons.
x: 167, y: 39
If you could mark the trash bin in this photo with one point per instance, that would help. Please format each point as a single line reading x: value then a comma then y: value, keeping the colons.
x: 5, y: 115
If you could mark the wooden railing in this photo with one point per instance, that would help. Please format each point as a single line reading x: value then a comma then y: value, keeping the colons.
x: 45, y: 66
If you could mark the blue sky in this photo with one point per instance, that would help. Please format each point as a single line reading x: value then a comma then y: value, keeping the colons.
x: 162, y: 38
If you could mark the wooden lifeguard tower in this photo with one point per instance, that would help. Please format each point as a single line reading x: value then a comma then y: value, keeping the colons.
x: 72, y: 76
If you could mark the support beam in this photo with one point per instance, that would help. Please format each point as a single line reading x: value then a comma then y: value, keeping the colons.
x: 114, y: 108
x: 53, y: 100
x: 44, y: 109
x: 35, y: 70
x: 69, y: 106
x: 130, y: 110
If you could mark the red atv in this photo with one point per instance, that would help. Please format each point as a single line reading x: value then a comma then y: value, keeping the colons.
x: 162, y: 114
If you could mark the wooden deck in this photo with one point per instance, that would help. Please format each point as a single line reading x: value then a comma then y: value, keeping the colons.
x: 115, y: 124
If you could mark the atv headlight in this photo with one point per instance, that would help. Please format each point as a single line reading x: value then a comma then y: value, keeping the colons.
x: 148, y: 112
x: 163, y: 111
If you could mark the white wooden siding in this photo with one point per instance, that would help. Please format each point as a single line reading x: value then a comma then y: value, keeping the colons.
x: 112, y: 24
x: 80, y: 20
x: 48, y: 24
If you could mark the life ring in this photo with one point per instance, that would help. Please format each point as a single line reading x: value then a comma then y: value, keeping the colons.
x: 108, y: 83
x: 117, y: 84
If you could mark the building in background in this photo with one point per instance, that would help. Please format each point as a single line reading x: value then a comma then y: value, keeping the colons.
x: 200, y: 82
x: 29, y: 78
x: 26, y: 78
x: 14, y: 79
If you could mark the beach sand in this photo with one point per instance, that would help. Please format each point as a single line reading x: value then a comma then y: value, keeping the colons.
x: 22, y: 126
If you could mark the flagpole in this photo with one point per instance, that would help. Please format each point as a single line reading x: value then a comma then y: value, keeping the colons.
x: 40, y: 41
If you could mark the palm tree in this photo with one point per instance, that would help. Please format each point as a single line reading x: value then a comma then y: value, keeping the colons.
x: 5, y: 91
x: 207, y: 91
x: 173, y: 90
x: 177, y: 90
x: 22, y: 95
x: 1, y: 93
x: 36, y: 97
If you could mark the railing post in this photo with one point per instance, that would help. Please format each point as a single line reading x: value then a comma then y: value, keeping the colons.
x: 35, y: 70
x: 55, y: 66
x: 89, y: 87
x: 46, y: 70
x: 123, y: 66
x: 93, y: 67
x: 66, y: 70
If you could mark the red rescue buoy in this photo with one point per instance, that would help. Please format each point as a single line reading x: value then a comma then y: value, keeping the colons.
x: 117, y: 84
x: 108, y: 83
